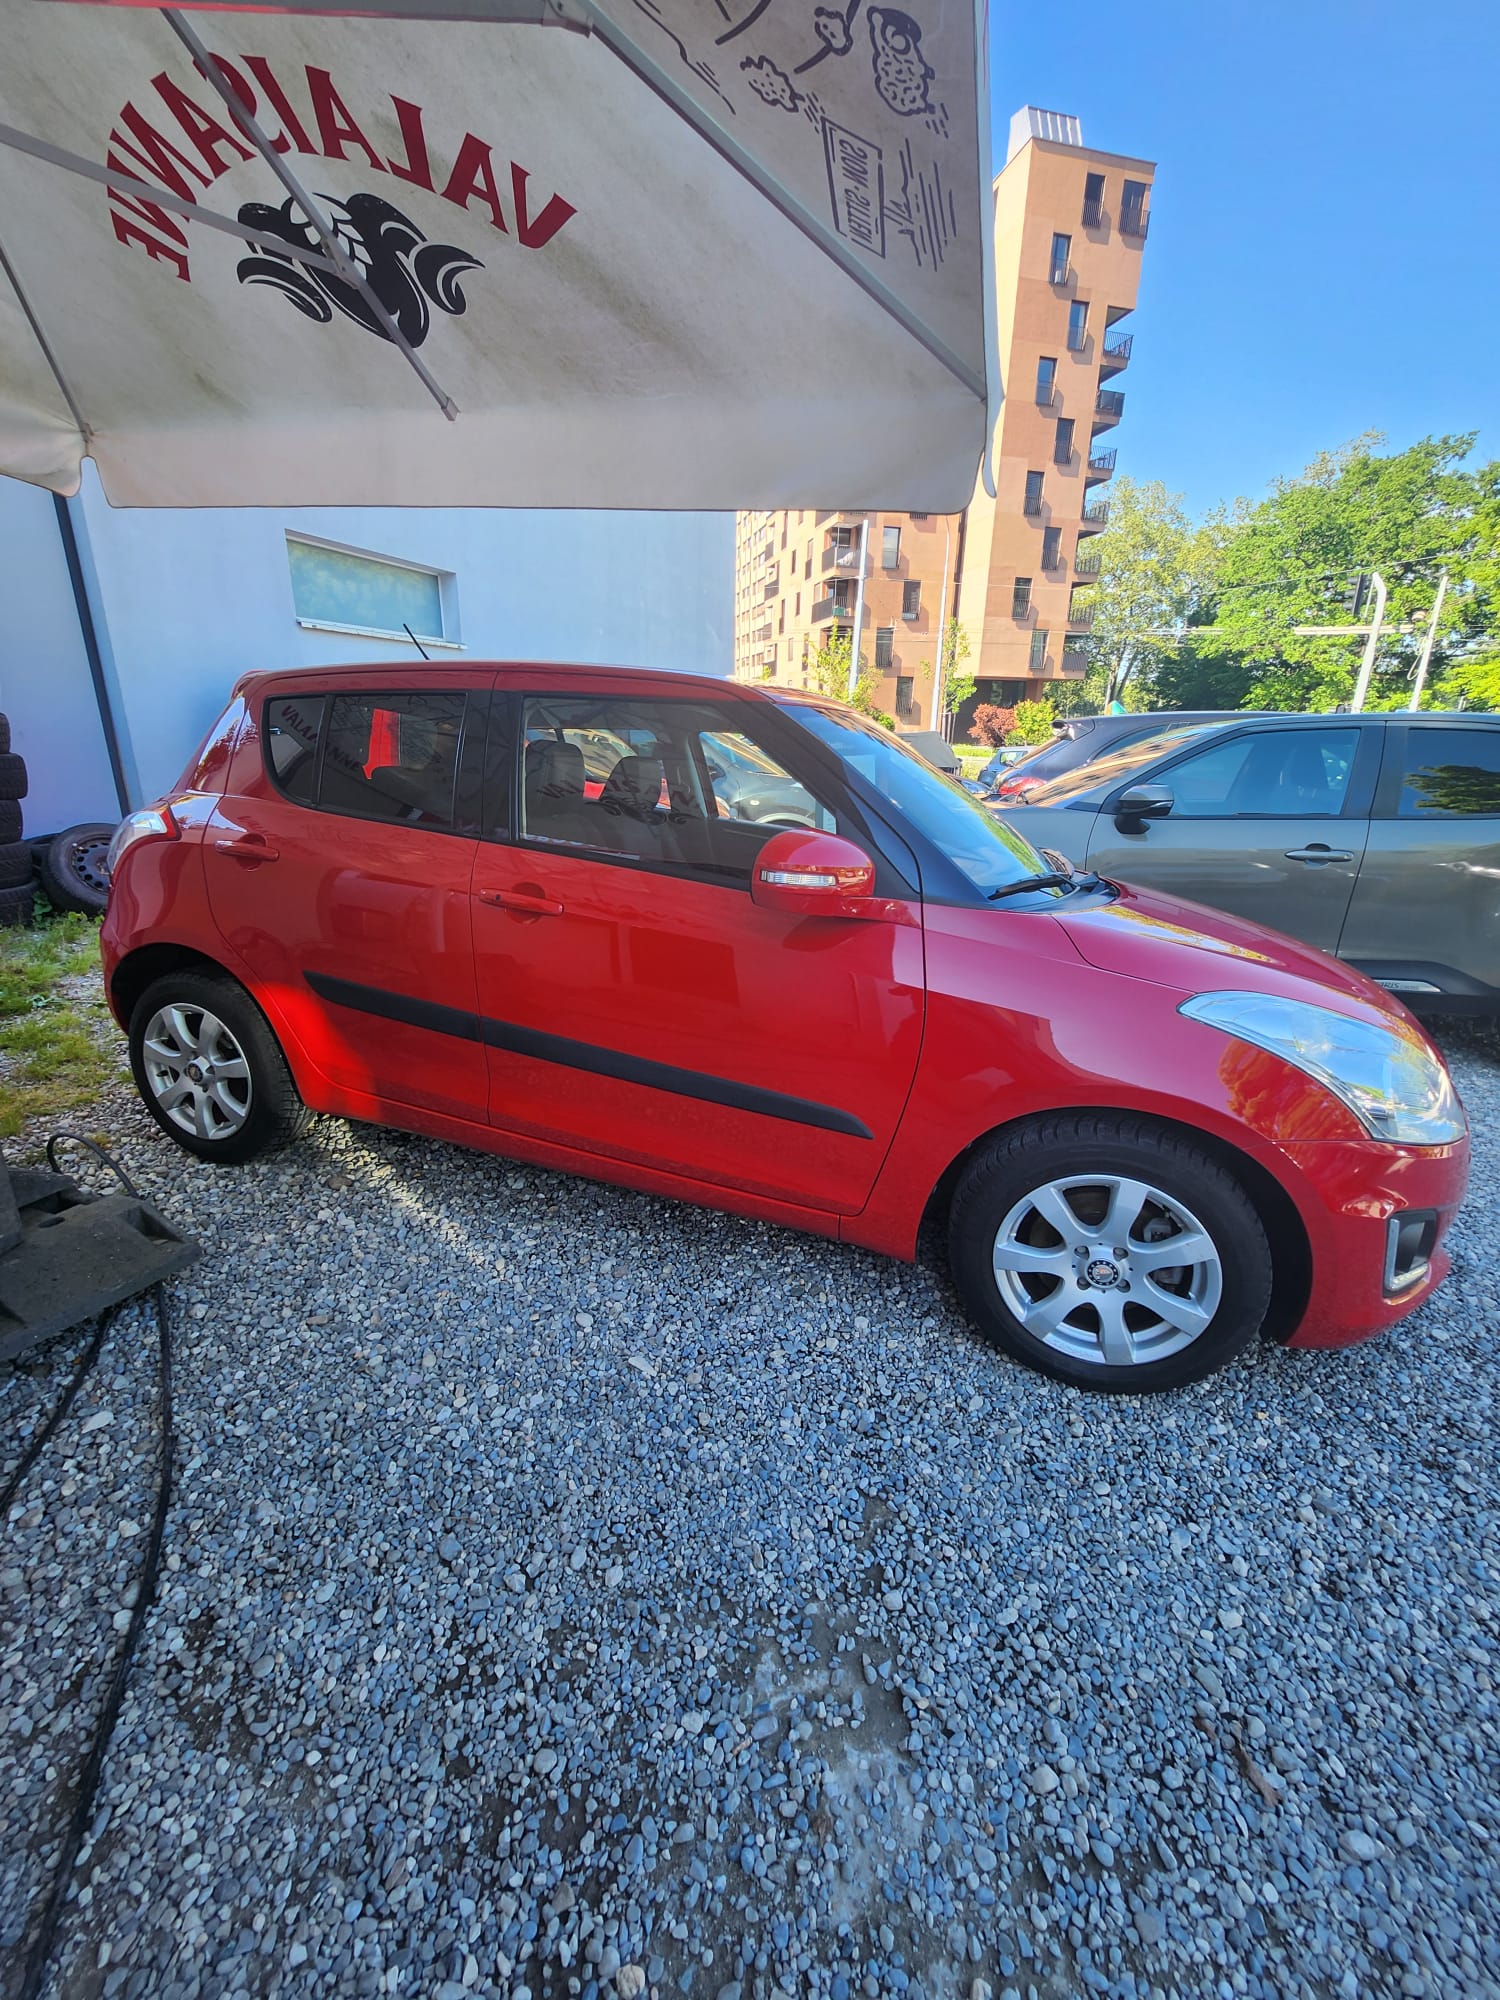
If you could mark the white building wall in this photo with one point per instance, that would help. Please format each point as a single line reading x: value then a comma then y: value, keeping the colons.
x: 186, y: 600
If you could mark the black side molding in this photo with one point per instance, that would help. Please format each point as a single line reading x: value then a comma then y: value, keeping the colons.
x: 588, y: 1056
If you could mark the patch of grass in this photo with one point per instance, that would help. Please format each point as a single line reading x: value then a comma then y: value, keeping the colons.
x: 58, y: 1051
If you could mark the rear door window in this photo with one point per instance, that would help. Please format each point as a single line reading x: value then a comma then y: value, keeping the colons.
x: 1451, y: 774
x: 393, y: 757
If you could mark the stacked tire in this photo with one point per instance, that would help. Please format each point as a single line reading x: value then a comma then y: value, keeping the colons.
x: 17, y: 890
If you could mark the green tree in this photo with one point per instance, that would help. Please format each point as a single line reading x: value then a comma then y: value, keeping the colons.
x: 958, y: 684
x: 1292, y: 560
x: 1468, y: 666
x: 829, y: 674
x: 1033, y: 723
x: 1157, y: 568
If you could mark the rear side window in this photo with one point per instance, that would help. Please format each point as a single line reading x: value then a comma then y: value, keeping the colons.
x: 1451, y: 774
x: 292, y: 724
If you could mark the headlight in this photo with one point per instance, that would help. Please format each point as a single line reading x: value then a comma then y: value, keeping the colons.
x: 1388, y: 1076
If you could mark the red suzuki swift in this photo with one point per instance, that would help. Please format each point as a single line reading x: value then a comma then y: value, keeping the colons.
x: 740, y: 946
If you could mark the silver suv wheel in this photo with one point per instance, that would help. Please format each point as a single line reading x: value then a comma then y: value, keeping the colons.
x: 1106, y: 1269
x: 196, y: 1071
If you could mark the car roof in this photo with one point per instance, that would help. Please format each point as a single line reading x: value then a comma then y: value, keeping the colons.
x: 1232, y: 717
x: 552, y: 674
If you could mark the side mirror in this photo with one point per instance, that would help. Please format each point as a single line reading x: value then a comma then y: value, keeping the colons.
x: 814, y: 875
x: 1142, y: 802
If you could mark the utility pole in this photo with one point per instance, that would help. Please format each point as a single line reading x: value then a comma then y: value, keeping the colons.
x: 1369, y: 633
x: 859, y: 608
x: 1427, y: 643
x: 1367, y: 664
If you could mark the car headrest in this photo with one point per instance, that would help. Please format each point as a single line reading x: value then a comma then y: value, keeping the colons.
x: 555, y: 769
x: 634, y: 785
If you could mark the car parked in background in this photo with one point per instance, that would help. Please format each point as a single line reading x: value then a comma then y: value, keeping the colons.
x: 1374, y: 837
x: 999, y: 762
x: 390, y: 893
x: 1082, y: 738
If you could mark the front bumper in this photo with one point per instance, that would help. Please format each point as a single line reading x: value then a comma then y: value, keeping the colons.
x: 1351, y: 1191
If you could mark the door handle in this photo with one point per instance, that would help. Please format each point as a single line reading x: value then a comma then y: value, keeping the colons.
x: 1317, y: 853
x: 249, y: 847
x: 525, y: 903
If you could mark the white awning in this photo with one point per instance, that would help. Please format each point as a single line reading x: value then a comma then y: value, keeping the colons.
x: 609, y: 253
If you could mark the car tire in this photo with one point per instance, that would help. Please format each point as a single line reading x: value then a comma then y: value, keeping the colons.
x: 15, y: 864
x: 1078, y: 1310
x: 16, y: 905
x: 12, y: 776
x: 249, y: 1106
x: 4, y: 734
x: 71, y: 867
x: 10, y: 821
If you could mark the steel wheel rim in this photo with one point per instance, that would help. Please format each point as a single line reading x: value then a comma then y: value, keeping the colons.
x: 87, y: 862
x: 197, y: 1072
x: 1107, y: 1269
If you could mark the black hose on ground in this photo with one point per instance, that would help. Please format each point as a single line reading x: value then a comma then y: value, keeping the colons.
x: 86, y: 1785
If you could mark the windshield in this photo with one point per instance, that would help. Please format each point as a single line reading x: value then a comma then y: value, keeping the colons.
x: 1104, y: 773
x: 989, y: 853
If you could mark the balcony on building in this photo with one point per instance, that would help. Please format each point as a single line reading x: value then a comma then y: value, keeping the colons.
x: 1095, y: 517
x: 1135, y: 219
x: 1093, y: 211
x: 1087, y: 562
x: 1101, y: 465
x: 842, y: 559
x: 1114, y: 352
x: 1109, y: 407
x: 1074, y: 665
x: 838, y: 604
x: 1080, y: 617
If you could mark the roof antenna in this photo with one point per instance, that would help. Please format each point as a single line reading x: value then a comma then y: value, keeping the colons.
x: 415, y: 641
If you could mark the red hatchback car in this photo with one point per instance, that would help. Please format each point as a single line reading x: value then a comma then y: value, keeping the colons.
x: 406, y: 895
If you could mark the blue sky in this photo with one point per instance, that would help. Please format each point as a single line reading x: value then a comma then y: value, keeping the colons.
x: 1324, y: 256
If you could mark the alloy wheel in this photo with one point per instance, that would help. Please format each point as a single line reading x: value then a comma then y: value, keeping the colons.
x: 196, y: 1071
x: 1108, y: 1270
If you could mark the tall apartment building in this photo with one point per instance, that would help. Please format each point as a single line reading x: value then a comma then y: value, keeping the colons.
x: 1069, y: 226
x: 797, y: 577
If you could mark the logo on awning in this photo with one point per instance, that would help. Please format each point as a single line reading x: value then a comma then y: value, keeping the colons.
x: 404, y: 271
x: 194, y: 141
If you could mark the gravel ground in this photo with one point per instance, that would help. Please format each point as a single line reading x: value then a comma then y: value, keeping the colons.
x: 569, y: 1593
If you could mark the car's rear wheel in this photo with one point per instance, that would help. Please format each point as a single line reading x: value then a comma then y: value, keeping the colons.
x: 1109, y: 1252
x: 210, y: 1071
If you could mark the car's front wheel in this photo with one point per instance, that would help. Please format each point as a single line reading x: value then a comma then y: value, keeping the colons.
x: 1109, y: 1252
x: 210, y: 1070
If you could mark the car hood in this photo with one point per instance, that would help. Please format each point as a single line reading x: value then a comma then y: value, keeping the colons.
x: 1193, y: 949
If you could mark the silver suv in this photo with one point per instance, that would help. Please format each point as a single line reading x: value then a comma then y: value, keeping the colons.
x: 1374, y: 837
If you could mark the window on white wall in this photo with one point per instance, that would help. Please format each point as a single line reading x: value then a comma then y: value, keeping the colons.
x: 348, y: 591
